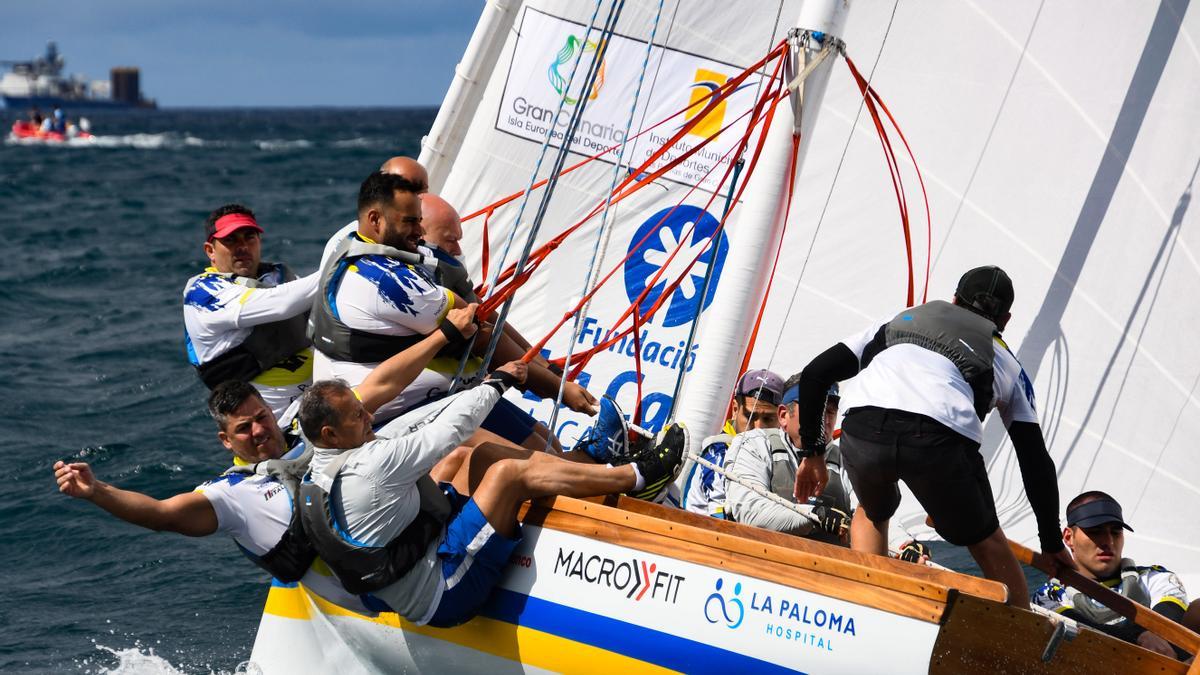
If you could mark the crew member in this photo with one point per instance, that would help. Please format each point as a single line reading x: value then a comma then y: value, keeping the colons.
x: 764, y: 460
x: 253, y: 508
x: 443, y: 232
x: 756, y: 399
x: 925, y: 381
x: 245, y: 319
x: 423, y: 550
x: 1095, y: 533
x: 379, y: 293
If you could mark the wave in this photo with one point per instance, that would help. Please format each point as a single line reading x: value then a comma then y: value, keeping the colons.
x: 139, y: 660
x: 172, y: 140
x: 282, y: 144
x: 360, y: 142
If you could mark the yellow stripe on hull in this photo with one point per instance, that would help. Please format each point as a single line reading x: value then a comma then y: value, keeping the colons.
x: 498, y: 638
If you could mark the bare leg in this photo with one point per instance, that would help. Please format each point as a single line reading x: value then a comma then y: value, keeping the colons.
x: 866, y: 535
x: 476, y: 461
x: 542, y: 434
x: 499, y: 484
x: 446, y: 469
x: 998, y: 563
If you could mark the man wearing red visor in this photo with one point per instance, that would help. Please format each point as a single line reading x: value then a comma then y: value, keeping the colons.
x: 244, y: 319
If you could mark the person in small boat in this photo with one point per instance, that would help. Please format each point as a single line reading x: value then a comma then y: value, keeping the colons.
x: 425, y: 550
x: 765, y: 461
x: 246, y: 319
x: 1095, y: 534
x: 248, y: 502
x: 376, y: 295
x: 58, y: 122
x: 756, y: 398
x: 925, y: 381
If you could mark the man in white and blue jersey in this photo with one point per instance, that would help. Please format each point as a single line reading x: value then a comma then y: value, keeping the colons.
x: 245, y: 319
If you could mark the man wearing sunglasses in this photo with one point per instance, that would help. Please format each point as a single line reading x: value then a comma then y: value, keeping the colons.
x: 244, y: 319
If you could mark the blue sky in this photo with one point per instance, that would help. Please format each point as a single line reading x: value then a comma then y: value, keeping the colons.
x: 255, y: 52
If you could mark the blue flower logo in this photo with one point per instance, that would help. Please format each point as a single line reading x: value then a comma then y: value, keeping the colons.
x: 681, y: 307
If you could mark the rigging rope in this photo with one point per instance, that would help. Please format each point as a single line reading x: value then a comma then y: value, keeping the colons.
x: 610, y: 25
x: 497, y: 330
x: 638, y: 177
x: 604, y: 233
x: 774, y: 98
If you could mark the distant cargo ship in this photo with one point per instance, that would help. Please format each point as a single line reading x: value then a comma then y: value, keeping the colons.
x: 39, y: 83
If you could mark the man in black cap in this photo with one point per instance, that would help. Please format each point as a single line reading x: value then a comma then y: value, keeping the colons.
x: 923, y: 383
x: 1095, y: 533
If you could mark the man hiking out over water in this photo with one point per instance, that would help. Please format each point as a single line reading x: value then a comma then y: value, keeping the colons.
x: 923, y: 383
x: 252, y: 508
x: 245, y: 319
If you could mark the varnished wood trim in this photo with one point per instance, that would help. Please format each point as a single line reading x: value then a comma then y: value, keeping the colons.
x: 985, y: 637
x: 965, y: 583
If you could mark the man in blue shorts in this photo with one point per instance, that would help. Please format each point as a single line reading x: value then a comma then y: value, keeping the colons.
x: 420, y: 549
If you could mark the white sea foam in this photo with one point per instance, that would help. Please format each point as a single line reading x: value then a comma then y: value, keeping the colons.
x: 282, y: 144
x: 360, y: 142
x: 141, y: 660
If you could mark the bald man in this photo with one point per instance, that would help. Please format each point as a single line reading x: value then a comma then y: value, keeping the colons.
x: 409, y: 168
x: 443, y: 227
x: 443, y: 231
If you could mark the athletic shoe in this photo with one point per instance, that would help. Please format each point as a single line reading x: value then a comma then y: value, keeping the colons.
x: 660, y: 464
x: 608, y: 439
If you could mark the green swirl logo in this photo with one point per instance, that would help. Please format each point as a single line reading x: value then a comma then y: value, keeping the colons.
x: 566, y: 56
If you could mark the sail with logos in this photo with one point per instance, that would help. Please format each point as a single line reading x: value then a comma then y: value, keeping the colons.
x: 1061, y: 149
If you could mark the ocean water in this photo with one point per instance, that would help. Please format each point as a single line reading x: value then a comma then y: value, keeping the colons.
x: 99, y: 241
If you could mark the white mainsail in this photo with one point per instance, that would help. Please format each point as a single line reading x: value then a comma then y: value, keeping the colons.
x: 1057, y: 141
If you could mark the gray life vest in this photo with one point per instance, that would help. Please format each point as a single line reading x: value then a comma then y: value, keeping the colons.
x: 269, y: 345
x: 1131, y: 587
x: 454, y: 276
x: 784, y: 463
x: 366, y: 569
x: 958, y: 334
x: 341, y: 342
x: 289, y: 559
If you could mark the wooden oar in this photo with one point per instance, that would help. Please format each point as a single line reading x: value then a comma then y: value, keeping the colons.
x: 1139, y: 614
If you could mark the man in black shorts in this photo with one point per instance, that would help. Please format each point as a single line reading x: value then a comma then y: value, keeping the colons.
x: 924, y: 382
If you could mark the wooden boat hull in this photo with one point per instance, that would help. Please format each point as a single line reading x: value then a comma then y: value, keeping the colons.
x: 632, y: 587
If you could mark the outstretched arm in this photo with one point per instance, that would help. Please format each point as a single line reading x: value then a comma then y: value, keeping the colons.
x: 189, y: 513
x: 391, y: 377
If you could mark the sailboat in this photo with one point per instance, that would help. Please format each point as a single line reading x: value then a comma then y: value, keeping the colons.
x: 1053, y: 139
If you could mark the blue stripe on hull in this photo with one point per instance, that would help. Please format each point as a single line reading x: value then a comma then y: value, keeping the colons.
x: 632, y: 640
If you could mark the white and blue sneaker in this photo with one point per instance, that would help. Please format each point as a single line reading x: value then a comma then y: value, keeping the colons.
x: 607, y: 441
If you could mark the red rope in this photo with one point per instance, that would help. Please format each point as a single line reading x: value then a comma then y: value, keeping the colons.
x: 637, y: 366
x: 893, y: 171
x: 624, y: 189
x: 924, y: 194
x: 654, y: 280
x: 775, y: 99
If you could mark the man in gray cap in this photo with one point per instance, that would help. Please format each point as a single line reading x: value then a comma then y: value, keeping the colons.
x: 1095, y: 533
x: 760, y: 475
x: 923, y: 382
x: 755, y: 406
